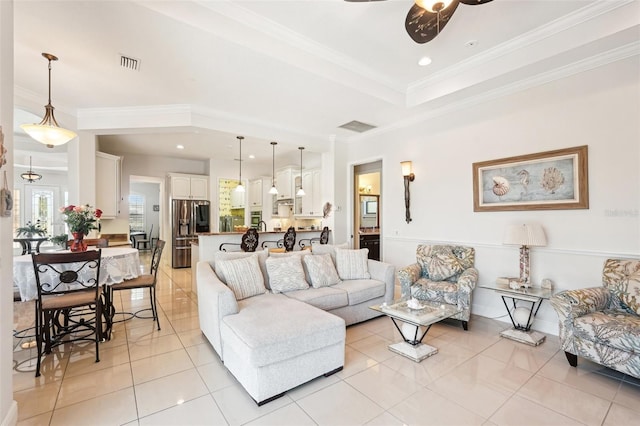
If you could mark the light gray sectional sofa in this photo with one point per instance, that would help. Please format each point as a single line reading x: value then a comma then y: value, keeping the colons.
x: 273, y: 342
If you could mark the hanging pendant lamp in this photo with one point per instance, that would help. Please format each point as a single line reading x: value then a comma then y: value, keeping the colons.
x: 30, y: 176
x: 48, y: 131
x: 300, y: 192
x: 273, y: 190
x: 240, y: 187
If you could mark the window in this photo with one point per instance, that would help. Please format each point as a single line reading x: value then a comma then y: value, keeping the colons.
x: 42, y: 208
x: 136, y: 212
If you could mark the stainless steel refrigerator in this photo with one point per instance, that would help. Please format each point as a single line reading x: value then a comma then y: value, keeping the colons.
x: 188, y: 219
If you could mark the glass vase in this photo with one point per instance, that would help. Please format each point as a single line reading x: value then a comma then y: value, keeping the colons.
x: 78, y: 243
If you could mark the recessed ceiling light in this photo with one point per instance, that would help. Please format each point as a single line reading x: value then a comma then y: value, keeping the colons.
x: 424, y: 61
x: 180, y: 146
x: 252, y: 156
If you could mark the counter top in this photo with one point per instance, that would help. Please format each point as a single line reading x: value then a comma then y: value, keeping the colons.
x: 210, y: 243
x: 298, y: 231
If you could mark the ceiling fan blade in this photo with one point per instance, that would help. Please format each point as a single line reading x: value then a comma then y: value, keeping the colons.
x: 423, y: 26
x: 474, y: 2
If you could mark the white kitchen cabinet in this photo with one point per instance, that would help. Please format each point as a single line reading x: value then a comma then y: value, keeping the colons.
x: 108, y: 184
x: 255, y: 193
x: 284, y: 183
x: 189, y: 187
x: 237, y: 199
x: 311, y: 202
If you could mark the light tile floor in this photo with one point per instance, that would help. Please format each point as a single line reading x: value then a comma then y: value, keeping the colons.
x: 173, y: 377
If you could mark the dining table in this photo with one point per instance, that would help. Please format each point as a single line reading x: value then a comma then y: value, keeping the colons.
x: 116, y: 265
x: 135, y: 235
x: 27, y: 243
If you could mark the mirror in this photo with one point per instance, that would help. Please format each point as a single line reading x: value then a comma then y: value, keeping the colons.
x: 369, y: 217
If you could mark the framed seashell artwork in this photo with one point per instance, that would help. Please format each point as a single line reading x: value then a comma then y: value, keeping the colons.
x: 550, y: 180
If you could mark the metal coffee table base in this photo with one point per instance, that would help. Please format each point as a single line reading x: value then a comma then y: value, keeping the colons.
x: 414, y: 352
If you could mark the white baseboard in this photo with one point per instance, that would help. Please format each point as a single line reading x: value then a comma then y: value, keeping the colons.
x: 11, y: 419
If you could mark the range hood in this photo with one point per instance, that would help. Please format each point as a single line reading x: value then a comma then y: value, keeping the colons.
x: 285, y: 202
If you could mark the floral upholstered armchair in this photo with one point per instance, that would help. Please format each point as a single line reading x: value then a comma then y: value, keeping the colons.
x: 443, y: 274
x: 602, y: 324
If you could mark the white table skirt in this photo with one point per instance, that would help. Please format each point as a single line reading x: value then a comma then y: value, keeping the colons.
x: 116, y: 265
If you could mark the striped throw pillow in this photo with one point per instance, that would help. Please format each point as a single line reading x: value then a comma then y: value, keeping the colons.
x: 352, y: 264
x: 243, y: 276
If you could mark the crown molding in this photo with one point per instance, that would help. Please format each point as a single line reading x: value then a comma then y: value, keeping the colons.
x: 495, y: 61
x: 188, y: 116
x: 586, y: 64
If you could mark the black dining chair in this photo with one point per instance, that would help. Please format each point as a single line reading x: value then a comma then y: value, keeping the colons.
x: 287, y: 242
x: 142, y: 281
x: 322, y: 239
x: 248, y: 243
x: 147, y: 240
x: 69, y: 305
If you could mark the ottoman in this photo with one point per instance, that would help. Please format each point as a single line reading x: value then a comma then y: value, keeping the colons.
x: 275, y: 343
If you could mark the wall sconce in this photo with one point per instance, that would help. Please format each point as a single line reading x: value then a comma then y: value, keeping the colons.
x: 408, y: 177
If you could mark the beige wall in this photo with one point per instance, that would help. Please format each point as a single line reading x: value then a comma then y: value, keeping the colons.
x: 8, y: 407
x: 598, y: 108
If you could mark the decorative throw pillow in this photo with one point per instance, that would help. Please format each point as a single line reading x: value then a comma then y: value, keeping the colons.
x: 223, y: 255
x: 243, y: 276
x: 439, y: 262
x: 352, y: 264
x: 321, y: 270
x: 330, y: 249
x: 298, y: 253
x: 286, y: 274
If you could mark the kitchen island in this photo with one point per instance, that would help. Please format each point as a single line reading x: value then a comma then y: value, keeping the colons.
x: 209, y: 243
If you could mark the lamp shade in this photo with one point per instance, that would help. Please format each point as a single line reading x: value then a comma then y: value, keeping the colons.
x: 525, y: 235
x: 48, y: 134
x: 406, y: 168
x: 48, y: 131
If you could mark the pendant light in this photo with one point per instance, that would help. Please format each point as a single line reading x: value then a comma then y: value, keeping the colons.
x: 300, y: 192
x: 48, y: 131
x: 30, y: 176
x: 273, y: 190
x: 240, y: 187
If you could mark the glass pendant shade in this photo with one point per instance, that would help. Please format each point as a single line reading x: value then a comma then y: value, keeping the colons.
x: 434, y: 6
x: 48, y: 131
x: 300, y: 192
x: 273, y: 190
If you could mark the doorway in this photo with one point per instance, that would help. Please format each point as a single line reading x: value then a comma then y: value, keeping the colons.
x: 145, y: 206
x: 367, y: 202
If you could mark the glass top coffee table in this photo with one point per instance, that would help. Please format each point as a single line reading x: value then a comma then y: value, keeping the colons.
x: 426, y: 314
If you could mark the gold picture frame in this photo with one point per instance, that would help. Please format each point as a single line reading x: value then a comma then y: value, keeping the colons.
x: 550, y: 180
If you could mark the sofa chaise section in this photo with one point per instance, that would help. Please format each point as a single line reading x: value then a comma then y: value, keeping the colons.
x: 275, y: 343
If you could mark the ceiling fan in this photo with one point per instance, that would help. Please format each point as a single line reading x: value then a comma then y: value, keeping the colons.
x: 427, y: 18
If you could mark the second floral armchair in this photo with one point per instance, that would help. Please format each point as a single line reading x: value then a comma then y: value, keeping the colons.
x: 443, y: 274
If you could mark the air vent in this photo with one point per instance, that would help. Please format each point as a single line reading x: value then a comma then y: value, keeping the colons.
x: 357, y: 126
x: 129, y: 63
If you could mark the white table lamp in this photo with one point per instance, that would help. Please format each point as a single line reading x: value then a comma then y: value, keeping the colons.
x: 525, y: 235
